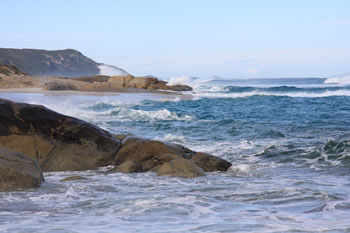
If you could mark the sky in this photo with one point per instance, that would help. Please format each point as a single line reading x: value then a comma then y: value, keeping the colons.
x: 202, y: 38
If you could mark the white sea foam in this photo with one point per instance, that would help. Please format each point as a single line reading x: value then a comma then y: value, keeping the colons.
x: 141, y: 115
x: 289, y: 94
x: 111, y: 70
x: 342, y: 80
x: 172, y: 138
x: 217, y: 89
x: 181, y: 80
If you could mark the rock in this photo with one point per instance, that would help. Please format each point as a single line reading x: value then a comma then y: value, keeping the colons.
x: 139, y: 82
x: 121, y: 137
x: 18, y: 171
x: 210, y: 163
x: 72, y: 178
x: 56, y: 141
x: 148, y: 153
x: 120, y: 81
x: 180, y: 168
x: 140, y: 155
x: 180, y: 88
x: 92, y: 79
x: 126, y: 167
x: 60, y: 86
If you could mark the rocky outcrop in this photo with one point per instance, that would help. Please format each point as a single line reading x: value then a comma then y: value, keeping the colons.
x: 18, y: 171
x: 210, y: 163
x: 60, y: 86
x: 140, y: 155
x: 91, y: 83
x: 148, y: 154
x: 60, y: 143
x: 144, y: 83
x: 56, y: 141
x: 180, y: 168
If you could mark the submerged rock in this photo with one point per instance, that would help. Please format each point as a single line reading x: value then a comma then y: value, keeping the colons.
x: 56, y: 141
x: 72, y: 178
x: 18, y: 171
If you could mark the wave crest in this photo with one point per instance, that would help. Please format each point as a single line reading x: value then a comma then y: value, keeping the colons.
x: 181, y: 80
x: 110, y: 70
x: 342, y: 80
x: 141, y: 115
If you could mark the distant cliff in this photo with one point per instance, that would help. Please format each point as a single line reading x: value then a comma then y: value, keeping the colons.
x: 61, y: 63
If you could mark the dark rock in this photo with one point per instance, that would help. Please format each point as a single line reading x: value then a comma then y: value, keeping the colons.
x: 18, y: 171
x: 180, y: 168
x: 60, y: 86
x: 56, y: 141
x: 140, y: 155
x: 210, y: 163
x: 72, y: 178
x: 180, y: 88
x: 91, y: 79
x: 149, y: 154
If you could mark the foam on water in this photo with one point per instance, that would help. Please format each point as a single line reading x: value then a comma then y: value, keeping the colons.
x: 343, y: 80
x: 215, y: 94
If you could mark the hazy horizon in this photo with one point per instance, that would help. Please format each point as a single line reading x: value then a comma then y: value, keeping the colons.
x: 250, y: 39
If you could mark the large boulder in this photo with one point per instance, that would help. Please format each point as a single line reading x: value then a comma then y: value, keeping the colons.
x: 210, y: 163
x: 60, y: 86
x: 120, y: 81
x: 18, y: 171
x: 180, y: 168
x: 180, y: 88
x: 149, y: 154
x: 56, y: 141
x: 140, y: 155
x: 139, y: 82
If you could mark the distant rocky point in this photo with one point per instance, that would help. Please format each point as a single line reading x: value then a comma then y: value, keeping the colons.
x: 12, y: 77
x: 58, y: 63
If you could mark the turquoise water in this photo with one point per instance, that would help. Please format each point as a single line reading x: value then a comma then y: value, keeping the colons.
x: 288, y: 140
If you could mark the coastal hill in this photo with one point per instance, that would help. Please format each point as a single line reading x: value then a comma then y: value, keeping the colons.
x: 58, y: 63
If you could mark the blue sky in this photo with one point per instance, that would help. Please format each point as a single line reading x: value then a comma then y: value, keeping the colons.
x: 232, y: 39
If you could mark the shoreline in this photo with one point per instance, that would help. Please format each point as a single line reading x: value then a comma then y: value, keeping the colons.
x: 167, y: 95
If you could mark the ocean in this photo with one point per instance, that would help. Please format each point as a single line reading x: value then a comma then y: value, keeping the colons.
x: 288, y: 141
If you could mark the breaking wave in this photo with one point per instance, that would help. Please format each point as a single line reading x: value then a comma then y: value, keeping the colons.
x: 128, y: 113
x: 111, y: 70
x: 342, y: 80
x: 181, y: 80
x: 242, y: 94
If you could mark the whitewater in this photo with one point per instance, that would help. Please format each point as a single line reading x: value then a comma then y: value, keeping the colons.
x: 288, y: 141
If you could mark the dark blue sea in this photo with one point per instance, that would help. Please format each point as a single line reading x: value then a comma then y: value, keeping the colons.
x: 288, y: 140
